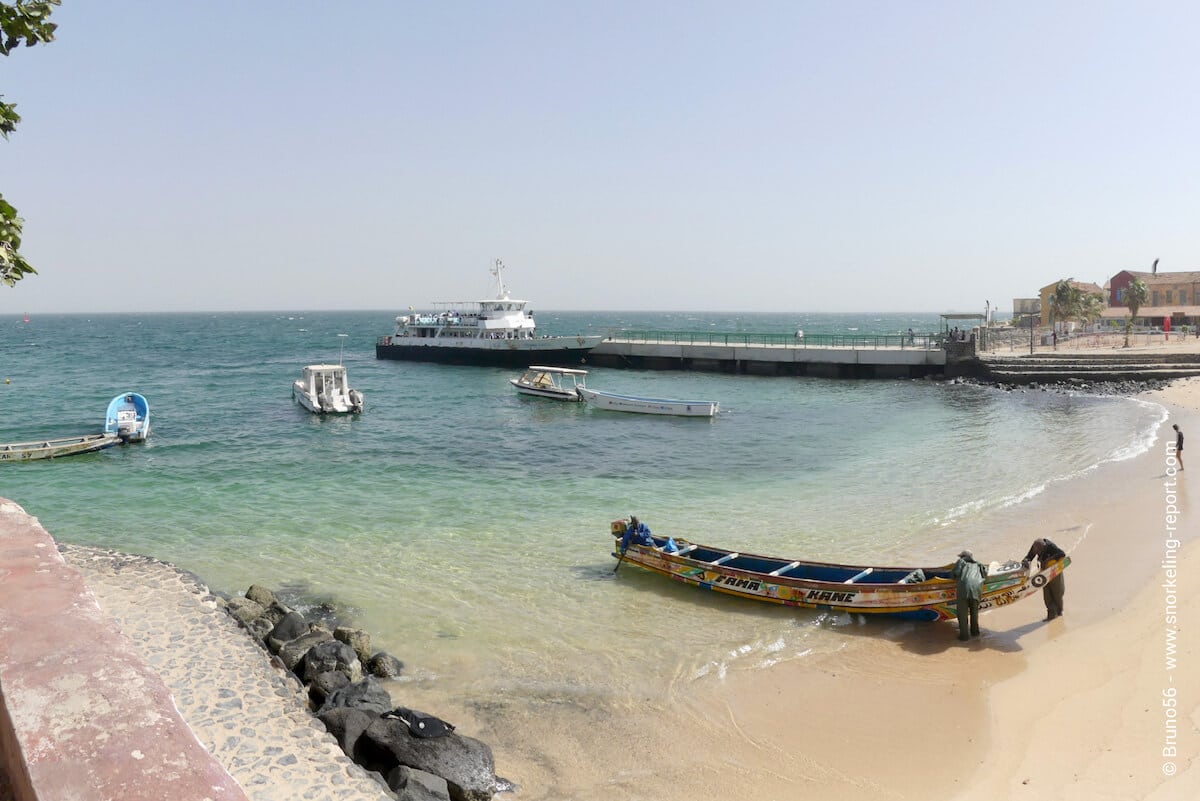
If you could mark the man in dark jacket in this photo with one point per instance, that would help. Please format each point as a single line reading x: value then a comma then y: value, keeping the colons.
x: 1052, y: 594
x: 969, y: 574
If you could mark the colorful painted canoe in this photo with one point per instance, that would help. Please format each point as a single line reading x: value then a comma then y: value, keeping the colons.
x: 925, y: 593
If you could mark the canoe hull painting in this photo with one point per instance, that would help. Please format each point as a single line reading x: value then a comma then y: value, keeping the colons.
x: 840, y: 588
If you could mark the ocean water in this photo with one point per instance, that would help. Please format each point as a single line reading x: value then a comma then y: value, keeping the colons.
x: 466, y: 527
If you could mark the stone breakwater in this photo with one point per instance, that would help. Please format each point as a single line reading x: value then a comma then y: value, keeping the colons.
x: 416, y: 755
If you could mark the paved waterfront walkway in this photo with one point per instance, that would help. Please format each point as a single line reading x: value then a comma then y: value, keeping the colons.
x: 243, y: 710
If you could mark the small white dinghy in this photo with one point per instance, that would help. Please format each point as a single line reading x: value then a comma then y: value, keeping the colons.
x: 324, y: 389
x: 632, y: 403
x: 550, y: 382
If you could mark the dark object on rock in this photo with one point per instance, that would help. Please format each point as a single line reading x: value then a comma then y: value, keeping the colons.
x: 330, y: 655
x: 384, y: 665
x: 292, y: 652
x: 410, y: 784
x: 346, y: 724
x: 276, y: 612
x: 326, y: 684
x: 466, y: 764
x: 420, y: 724
x: 357, y: 639
x: 244, y: 610
x: 260, y: 595
x: 289, y: 628
x: 260, y: 627
x: 367, y: 695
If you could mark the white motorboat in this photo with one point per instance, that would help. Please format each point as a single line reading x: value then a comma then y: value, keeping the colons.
x: 634, y: 403
x: 550, y: 382
x: 324, y: 389
x: 499, y: 331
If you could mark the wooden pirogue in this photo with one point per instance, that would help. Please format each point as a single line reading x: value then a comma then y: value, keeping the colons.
x: 913, y: 593
x: 54, y: 448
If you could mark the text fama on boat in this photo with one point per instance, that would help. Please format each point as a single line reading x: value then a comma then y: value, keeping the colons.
x: 498, y: 331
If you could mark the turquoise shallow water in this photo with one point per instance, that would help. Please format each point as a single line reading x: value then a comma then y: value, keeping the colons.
x: 466, y: 526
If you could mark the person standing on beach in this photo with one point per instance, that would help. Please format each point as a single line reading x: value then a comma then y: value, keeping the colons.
x: 1052, y: 593
x: 1178, y: 445
x: 969, y: 574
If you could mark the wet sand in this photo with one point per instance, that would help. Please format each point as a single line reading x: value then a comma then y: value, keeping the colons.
x: 1069, y: 709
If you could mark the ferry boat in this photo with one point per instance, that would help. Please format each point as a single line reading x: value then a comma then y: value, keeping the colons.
x: 499, y: 331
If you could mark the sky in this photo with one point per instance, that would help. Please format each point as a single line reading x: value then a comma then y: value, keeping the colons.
x: 683, y: 156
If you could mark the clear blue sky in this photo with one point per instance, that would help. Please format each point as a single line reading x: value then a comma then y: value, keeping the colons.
x: 756, y: 156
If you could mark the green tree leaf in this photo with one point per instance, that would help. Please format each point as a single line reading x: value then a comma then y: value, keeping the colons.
x: 28, y: 22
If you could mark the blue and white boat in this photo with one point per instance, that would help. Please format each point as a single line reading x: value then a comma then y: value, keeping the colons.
x: 128, y: 417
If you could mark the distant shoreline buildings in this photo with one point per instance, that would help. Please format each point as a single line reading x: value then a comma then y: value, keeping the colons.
x: 1174, y: 295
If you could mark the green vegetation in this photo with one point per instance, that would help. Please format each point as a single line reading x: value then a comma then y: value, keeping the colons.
x: 1136, y: 296
x: 28, y: 23
x: 1069, y: 302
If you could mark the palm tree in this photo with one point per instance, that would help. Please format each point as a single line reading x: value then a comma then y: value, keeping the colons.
x: 1064, y: 302
x: 1091, y: 306
x: 1136, y: 295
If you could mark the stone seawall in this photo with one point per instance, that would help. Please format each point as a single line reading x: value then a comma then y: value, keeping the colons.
x: 1080, y: 368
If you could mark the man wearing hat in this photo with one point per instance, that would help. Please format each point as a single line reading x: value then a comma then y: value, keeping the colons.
x: 969, y: 574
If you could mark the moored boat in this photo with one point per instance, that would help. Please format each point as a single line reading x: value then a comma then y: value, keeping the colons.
x: 633, y: 403
x: 915, y: 593
x: 550, y: 382
x: 54, y: 448
x: 499, y: 331
x: 128, y: 417
x: 325, y: 389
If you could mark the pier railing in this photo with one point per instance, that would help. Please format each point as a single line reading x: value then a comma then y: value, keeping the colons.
x: 855, y: 341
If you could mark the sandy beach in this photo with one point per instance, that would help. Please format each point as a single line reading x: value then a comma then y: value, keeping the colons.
x: 1070, y: 709
x: 1082, y: 707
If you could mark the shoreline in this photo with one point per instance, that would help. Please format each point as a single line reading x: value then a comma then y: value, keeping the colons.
x: 916, y: 714
x: 1033, y: 710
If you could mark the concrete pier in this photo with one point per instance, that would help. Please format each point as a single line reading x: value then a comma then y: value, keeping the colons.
x: 843, y: 357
